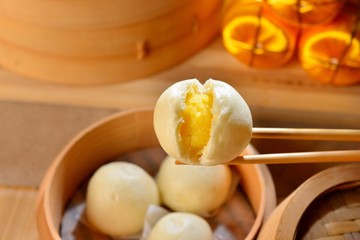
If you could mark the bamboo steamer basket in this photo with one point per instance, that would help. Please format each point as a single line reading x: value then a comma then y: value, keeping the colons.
x: 116, y: 135
x: 325, y: 207
x: 97, y: 42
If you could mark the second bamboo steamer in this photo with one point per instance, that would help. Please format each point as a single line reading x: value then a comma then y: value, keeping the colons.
x: 116, y: 43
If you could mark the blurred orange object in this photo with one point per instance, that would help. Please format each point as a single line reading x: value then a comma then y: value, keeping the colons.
x: 331, y: 53
x: 306, y: 12
x: 254, y: 37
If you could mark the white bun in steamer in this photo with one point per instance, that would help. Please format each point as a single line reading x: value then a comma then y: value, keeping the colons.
x: 181, y: 226
x: 201, y: 190
x: 118, y: 196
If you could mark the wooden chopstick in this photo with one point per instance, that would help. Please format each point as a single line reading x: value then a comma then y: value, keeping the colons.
x: 307, y: 134
x: 340, y: 156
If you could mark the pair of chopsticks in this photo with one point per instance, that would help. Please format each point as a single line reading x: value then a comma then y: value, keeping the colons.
x: 350, y: 135
x: 338, y: 156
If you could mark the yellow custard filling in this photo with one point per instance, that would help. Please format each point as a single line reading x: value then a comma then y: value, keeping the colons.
x: 197, y: 117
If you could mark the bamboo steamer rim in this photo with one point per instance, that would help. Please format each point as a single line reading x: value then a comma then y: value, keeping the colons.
x: 283, y: 222
x: 87, y: 14
x: 257, y: 182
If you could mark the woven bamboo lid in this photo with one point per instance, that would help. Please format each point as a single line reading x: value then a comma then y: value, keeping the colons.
x: 335, y: 215
x: 318, y: 209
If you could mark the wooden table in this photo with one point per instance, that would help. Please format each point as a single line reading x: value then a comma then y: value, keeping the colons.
x: 17, y: 213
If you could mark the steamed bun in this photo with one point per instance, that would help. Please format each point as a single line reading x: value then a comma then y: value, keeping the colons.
x: 118, y: 196
x: 181, y: 226
x: 195, y: 189
x: 206, y: 124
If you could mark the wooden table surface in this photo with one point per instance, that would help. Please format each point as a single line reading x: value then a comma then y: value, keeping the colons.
x: 17, y: 213
x: 37, y: 119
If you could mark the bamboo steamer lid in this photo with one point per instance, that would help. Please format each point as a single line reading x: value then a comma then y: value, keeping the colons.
x: 295, y: 217
x: 336, y: 215
x: 116, y: 135
x: 118, y: 42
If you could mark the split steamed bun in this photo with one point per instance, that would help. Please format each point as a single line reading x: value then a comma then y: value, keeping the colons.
x: 180, y: 226
x: 117, y: 198
x: 196, y: 189
x: 206, y: 124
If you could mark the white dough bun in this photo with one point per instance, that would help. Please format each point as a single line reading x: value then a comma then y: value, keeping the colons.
x: 118, y: 196
x: 196, y: 189
x: 231, y: 127
x: 181, y: 226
